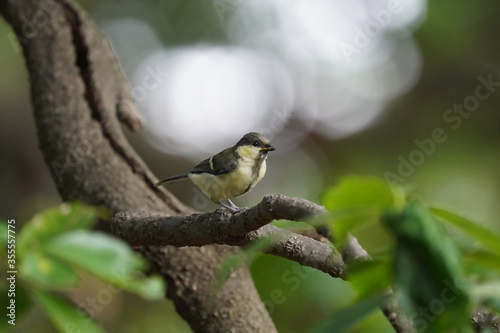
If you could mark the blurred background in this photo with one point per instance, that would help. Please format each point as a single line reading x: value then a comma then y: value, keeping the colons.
x: 406, y: 90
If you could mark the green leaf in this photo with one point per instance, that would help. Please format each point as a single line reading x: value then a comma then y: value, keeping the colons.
x: 485, y: 236
x: 65, y: 316
x: 108, y: 258
x: 359, y: 192
x: 357, y: 201
x: 370, y: 277
x: 151, y: 288
x: 58, y: 220
x: 493, y: 303
x: 346, y: 318
x: 427, y: 266
x: 483, y: 263
x: 99, y: 254
x: 45, y: 272
x: 486, y: 291
x: 3, y: 233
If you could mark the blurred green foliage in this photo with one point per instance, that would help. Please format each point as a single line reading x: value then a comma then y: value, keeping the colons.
x: 457, y: 41
x: 427, y: 271
x: 357, y: 202
x: 51, y: 252
x: 344, y: 319
x: 422, y: 264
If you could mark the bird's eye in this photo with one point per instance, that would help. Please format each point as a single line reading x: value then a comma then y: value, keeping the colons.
x: 255, y: 143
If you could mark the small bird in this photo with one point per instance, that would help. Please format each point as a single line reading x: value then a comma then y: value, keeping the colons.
x: 232, y: 172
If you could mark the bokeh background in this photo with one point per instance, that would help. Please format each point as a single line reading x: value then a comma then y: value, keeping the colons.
x: 340, y: 87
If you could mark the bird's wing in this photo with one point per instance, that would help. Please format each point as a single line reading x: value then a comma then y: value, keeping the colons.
x: 215, y: 165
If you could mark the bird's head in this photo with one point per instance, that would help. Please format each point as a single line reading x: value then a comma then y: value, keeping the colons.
x: 253, y: 145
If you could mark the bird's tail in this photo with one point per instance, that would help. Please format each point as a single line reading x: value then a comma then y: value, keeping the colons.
x: 172, y: 179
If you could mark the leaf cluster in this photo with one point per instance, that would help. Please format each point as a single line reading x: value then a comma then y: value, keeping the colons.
x: 52, y: 251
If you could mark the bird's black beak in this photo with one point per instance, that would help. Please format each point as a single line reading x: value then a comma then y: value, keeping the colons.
x: 267, y: 148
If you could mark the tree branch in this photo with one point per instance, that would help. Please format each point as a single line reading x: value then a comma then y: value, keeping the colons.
x: 220, y: 226
x: 245, y: 227
x: 79, y: 97
x: 485, y: 319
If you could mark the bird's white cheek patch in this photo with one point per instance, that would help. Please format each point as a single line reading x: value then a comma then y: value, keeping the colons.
x: 248, y: 152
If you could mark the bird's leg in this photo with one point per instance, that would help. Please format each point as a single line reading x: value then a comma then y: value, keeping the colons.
x: 226, y: 206
x: 232, y: 207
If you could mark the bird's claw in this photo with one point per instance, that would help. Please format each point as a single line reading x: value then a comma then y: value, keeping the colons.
x: 231, y: 207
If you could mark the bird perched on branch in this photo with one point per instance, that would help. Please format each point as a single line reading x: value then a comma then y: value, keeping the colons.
x: 232, y: 172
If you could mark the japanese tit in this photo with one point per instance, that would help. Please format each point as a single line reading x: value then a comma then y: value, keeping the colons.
x: 232, y: 172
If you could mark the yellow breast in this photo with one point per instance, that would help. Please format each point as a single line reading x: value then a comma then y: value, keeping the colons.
x: 227, y: 186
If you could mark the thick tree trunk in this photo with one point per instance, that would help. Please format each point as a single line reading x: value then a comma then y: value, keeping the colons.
x: 79, y: 93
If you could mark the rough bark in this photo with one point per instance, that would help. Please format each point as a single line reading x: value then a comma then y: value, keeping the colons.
x: 484, y: 319
x: 220, y: 226
x: 245, y: 227
x: 79, y: 94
